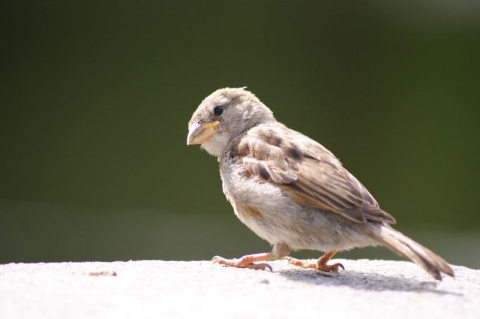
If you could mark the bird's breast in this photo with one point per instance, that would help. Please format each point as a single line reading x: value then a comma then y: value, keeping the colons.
x: 273, y: 216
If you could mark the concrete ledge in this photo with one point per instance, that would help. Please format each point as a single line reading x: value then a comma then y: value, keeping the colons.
x: 196, y: 289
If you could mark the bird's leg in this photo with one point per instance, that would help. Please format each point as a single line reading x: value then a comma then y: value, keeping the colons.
x: 279, y: 251
x: 320, y: 264
x: 247, y: 261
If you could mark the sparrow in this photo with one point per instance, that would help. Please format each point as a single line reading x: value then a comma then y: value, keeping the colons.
x: 292, y: 191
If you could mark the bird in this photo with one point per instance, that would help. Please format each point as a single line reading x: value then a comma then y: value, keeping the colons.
x: 292, y: 191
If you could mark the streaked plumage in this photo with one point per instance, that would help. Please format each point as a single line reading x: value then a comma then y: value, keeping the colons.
x: 290, y: 190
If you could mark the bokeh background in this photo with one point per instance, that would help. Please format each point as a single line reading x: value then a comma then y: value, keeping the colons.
x: 96, y: 96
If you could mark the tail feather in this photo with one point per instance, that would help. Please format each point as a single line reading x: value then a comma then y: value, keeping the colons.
x: 408, y: 248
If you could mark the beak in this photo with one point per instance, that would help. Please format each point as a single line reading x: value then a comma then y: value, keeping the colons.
x: 200, y: 133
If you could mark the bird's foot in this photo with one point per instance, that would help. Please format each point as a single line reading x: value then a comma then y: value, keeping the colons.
x: 320, y: 264
x: 244, y: 262
x: 300, y: 263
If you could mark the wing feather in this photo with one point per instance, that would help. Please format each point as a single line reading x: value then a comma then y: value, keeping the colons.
x: 309, y: 173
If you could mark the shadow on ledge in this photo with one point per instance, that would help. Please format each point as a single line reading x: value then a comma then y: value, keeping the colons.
x: 363, y: 281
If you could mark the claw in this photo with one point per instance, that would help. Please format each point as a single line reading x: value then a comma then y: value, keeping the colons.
x: 331, y: 268
x: 262, y: 266
x: 320, y: 264
x: 218, y: 260
x: 243, y: 262
x: 339, y: 265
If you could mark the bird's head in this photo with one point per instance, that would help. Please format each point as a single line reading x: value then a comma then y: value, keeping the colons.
x: 222, y: 116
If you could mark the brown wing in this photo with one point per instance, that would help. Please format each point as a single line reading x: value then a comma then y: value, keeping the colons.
x: 307, y: 172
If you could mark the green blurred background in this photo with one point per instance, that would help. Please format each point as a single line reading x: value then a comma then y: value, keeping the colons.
x: 96, y: 96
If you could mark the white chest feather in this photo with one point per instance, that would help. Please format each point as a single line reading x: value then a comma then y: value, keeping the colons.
x: 216, y: 144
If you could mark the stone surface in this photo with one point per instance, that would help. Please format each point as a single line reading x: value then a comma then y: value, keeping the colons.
x: 198, y: 289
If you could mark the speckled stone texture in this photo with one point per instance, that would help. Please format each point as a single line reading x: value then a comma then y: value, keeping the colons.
x: 198, y: 289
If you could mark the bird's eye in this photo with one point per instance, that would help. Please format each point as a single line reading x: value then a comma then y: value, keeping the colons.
x: 218, y: 110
